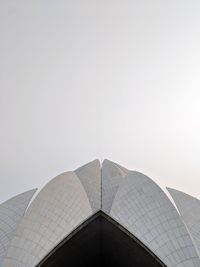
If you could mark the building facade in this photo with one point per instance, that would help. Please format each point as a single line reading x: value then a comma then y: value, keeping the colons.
x: 100, y: 215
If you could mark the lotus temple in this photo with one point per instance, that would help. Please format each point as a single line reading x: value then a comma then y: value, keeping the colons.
x: 100, y: 214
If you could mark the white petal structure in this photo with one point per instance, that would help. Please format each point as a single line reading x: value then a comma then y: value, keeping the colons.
x: 11, y: 213
x: 144, y: 209
x: 90, y: 177
x: 130, y: 198
x: 59, y: 208
x: 112, y: 177
x: 189, y: 208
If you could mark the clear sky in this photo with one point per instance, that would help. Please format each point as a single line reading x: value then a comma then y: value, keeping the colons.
x: 90, y: 79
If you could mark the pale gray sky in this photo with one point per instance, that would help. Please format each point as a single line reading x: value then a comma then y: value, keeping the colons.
x: 90, y: 79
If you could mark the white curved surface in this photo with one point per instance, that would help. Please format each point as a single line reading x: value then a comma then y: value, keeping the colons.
x: 112, y: 177
x: 59, y: 208
x: 189, y: 208
x: 143, y: 208
x: 90, y: 177
x: 11, y: 213
x: 130, y: 198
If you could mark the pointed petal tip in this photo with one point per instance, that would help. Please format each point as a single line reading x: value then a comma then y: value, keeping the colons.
x: 93, y: 162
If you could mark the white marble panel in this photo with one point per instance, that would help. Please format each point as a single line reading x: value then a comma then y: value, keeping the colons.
x: 144, y: 209
x: 11, y: 213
